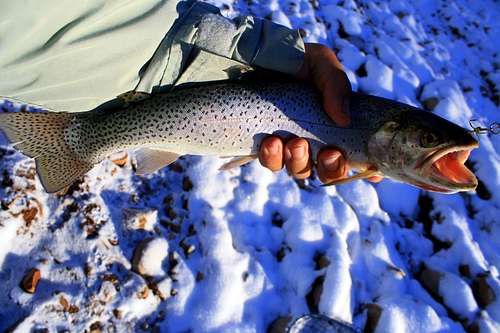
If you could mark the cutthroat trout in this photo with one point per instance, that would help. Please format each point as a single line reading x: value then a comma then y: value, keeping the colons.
x: 384, y: 138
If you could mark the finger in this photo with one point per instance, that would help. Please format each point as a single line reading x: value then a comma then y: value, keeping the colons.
x: 376, y: 179
x: 331, y: 165
x: 271, y: 153
x: 297, y: 158
x: 336, y: 91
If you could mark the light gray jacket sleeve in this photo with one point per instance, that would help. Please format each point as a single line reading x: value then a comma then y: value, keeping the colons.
x: 74, y: 56
x: 224, y: 44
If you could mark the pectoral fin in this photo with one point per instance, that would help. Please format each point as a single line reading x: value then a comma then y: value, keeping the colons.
x: 362, y: 175
x: 149, y: 160
x: 237, y: 162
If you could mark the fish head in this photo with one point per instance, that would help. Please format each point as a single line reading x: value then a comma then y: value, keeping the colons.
x: 425, y: 150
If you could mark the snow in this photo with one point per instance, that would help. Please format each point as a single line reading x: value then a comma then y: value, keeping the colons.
x: 233, y: 251
x: 458, y: 296
x: 152, y: 257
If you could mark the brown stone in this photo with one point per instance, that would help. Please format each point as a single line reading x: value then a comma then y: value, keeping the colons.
x: 430, y: 103
x: 113, y: 242
x: 322, y: 262
x: 64, y: 302
x: 374, y: 311
x: 187, y: 248
x: 171, y: 213
x: 139, y: 219
x: 96, y: 327
x: 464, y: 271
x: 29, y: 215
x: 144, y: 293
x: 187, y: 184
x: 430, y: 281
x: 200, y: 276
x: 30, y: 280
x: 121, y: 161
x: 482, y: 291
x: 314, y: 296
x: 279, y: 325
x: 73, y: 309
x: 136, y: 258
x: 117, y: 313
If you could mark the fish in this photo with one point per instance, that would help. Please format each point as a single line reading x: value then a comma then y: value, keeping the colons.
x: 385, y: 137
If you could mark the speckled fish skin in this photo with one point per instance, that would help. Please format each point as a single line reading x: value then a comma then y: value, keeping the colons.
x: 231, y: 119
x: 224, y: 120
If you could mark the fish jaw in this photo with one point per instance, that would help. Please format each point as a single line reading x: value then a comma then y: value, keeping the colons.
x: 444, y: 170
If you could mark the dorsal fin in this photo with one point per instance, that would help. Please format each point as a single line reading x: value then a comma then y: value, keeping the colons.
x: 132, y: 96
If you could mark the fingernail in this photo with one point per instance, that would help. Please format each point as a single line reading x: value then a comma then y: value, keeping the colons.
x: 332, y: 162
x: 271, y: 149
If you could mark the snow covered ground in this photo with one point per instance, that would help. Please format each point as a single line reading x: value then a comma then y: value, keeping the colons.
x: 236, y: 251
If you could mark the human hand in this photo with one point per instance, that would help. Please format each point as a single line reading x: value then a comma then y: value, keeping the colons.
x: 322, y: 68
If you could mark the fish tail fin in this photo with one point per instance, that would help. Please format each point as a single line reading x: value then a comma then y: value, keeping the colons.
x: 41, y: 135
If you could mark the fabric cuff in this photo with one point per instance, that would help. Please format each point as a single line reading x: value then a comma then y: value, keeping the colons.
x: 269, y: 45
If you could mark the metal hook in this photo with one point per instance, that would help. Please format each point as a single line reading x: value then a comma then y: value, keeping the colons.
x: 494, y: 128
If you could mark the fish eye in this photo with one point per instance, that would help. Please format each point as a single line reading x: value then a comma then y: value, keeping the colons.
x: 429, y: 140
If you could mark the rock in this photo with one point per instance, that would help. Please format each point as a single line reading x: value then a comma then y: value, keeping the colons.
x: 280, y: 255
x: 314, y: 296
x: 374, y: 311
x: 119, y: 158
x: 482, y: 292
x: 139, y: 219
x: 143, y: 293
x: 200, y: 276
x: 277, y: 220
x: 173, y: 227
x: 464, y: 271
x: 96, y: 327
x: 430, y: 103
x: 430, y: 281
x: 321, y: 261
x: 187, y: 248
x: 361, y: 71
x: 279, y: 325
x: 87, y: 269
x: 41, y: 330
x: 117, y: 313
x: 149, y: 256
x: 176, y: 167
x: 73, y: 309
x: 29, y: 215
x: 187, y: 184
x: 107, y: 292
x: 164, y: 288
x: 65, y: 303
x: 170, y: 213
x: 30, y: 280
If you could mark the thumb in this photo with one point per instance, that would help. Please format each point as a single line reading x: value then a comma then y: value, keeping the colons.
x: 336, y: 92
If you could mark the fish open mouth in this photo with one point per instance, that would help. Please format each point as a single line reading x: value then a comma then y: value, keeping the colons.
x: 446, y: 166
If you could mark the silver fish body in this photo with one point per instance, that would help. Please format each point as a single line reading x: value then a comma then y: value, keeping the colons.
x: 231, y: 119
x: 224, y: 120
